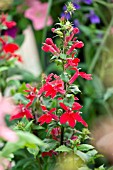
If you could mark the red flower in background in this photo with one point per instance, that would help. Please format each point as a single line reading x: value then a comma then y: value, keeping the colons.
x: 4, y: 21
x: 9, y: 49
x: 21, y: 112
x: 48, y: 116
x: 51, y: 88
x: 71, y: 117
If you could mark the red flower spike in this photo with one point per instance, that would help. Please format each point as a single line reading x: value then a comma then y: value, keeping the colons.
x: 22, y: 111
x: 51, y: 88
x: 70, y: 117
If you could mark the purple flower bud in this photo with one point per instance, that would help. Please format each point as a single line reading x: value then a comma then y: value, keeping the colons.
x: 66, y: 15
x: 76, y: 23
x: 94, y: 19
x: 87, y: 1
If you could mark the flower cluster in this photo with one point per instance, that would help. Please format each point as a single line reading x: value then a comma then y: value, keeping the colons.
x: 55, y: 104
x: 7, y: 49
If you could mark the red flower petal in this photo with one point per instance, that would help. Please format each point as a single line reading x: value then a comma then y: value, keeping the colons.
x: 64, y: 118
x: 63, y: 106
x: 80, y: 119
x: 11, y: 48
x: 85, y: 75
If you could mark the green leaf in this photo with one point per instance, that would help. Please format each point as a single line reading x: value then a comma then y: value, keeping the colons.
x: 63, y: 56
x: 63, y: 148
x: 82, y: 155
x: 92, y: 153
x: 85, y: 147
x: 108, y: 93
x: 64, y: 77
x: 69, y: 100
x: 19, y: 39
x: 13, y: 82
x: 26, y: 139
x: 20, y: 97
x: 3, y: 68
x: 74, y: 89
x: 34, y: 151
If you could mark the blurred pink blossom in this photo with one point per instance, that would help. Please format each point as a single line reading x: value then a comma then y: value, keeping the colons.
x: 4, y: 163
x: 6, y: 107
x: 37, y: 14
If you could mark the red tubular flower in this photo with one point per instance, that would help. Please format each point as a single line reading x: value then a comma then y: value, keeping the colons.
x: 47, y: 118
x: 31, y: 93
x: 70, y: 117
x: 85, y: 75
x: 51, y: 88
x: 77, y: 44
x: 49, y: 46
x: 22, y: 111
x: 82, y: 74
x: 70, y: 37
x: 71, y: 62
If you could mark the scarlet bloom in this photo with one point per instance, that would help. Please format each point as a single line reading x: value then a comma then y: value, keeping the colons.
x: 31, y: 93
x: 51, y: 88
x: 70, y: 116
x: 49, y: 46
x: 21, y: 112
x: 47, y: 118
x: 72, y: 62
x: 11, y: 47
x: 5, y: 22
x: 81, y: 74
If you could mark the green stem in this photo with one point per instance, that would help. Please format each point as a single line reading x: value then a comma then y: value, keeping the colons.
x: 62, y: 136
x: 97, y: 55
x: 45, y: 33
x: 39, y: 163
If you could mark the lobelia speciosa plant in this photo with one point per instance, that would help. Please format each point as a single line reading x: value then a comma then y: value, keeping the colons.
x: 51, y: 113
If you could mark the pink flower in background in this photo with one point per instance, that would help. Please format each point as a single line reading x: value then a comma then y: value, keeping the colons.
x: 37, y: 14
x: 6, y: 107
